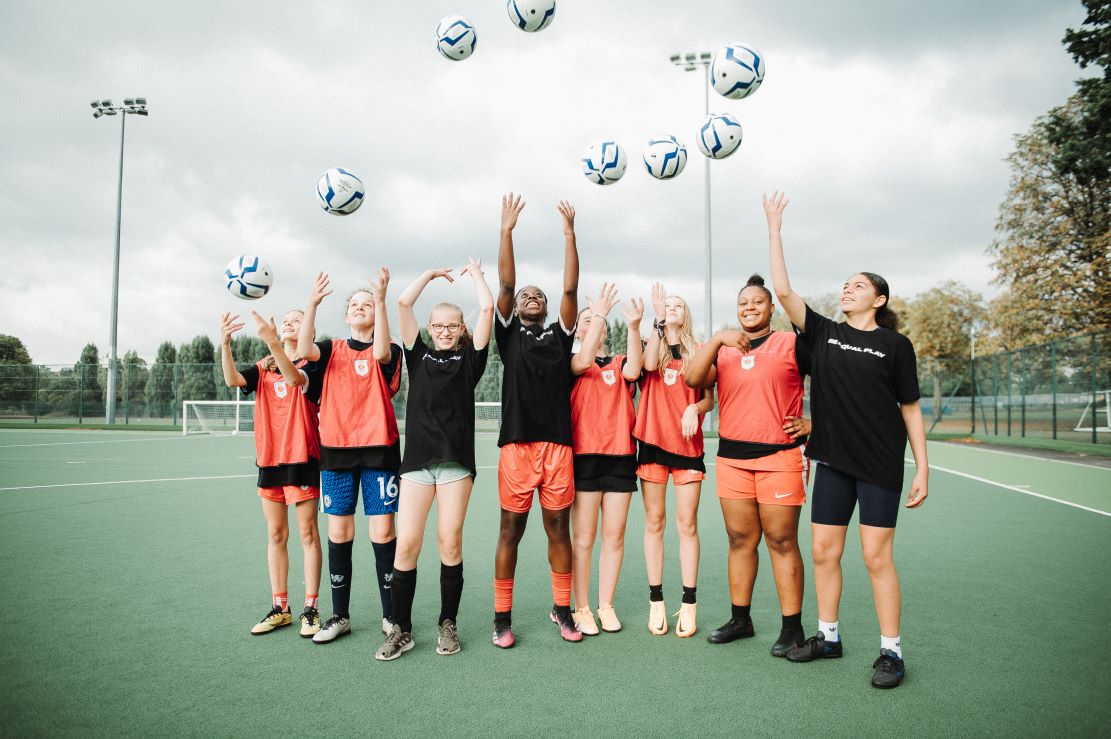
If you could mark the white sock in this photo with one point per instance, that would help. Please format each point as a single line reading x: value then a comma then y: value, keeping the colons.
x: 892, y: 644
x: 829, y: 630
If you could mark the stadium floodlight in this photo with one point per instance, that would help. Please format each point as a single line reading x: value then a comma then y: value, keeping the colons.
x: 136, y: 106
x: 690, y: 61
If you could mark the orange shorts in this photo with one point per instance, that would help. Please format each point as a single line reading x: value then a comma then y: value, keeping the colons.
x: 527, y: 467
x: 289, y: 494
x: 652, y: 472
x: 768, y: 487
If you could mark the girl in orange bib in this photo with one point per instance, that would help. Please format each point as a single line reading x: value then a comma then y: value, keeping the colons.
x: 669, y: 428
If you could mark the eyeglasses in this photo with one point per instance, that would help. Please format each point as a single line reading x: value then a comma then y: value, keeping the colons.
x: 439, y: 328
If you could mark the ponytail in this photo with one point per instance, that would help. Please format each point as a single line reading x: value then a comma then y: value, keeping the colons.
x: 885, y: 317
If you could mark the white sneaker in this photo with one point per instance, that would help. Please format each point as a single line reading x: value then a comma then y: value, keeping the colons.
x: 333, y: 628
x: 387, y: 626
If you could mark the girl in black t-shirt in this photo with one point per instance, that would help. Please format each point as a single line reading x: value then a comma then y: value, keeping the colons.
x: 439, y: 450
x: 864, y: 403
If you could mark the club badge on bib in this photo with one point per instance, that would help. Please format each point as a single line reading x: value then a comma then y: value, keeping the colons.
x: 362, y: 367
x: 609, y: 376
x: 670, y: 376
x: 281, y: 389
x: 748, y: 361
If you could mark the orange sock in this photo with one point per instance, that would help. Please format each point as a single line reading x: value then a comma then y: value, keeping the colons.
x: 561, y: 588
x: 310, y: 600
x: 503, y: 595
x: 281, y: 600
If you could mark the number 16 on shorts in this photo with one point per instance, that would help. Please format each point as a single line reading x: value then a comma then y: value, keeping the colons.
x: 340, y: 491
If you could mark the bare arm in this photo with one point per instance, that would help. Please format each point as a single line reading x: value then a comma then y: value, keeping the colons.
x: 690, y: 420
x: 707, y: 403
x: 793, y: 304
x: 306, y: 347
x: 268, y: 332
x: 700, y: 372
x: 916, y: 434
x: 592, y: 342
x: 480, y: 337
x: 652, y: 350
x: 511, y: 206
x: 379, y: 284
x: 634, y: 349
x: 569, y: 304
x: 410, y: 328
x: 232, y: 376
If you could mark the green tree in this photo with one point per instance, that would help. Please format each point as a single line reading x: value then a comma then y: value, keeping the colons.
x: 197, y: 379
x: 159, y: 389
x: 17, y: 376
x: 12, y: 351
x: 88, y: 371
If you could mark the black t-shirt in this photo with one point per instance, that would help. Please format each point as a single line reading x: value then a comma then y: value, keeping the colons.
x: 857, y: 381
x: 369, y: 457
x: 301, y: 474
x: 439, y: 410
x: 536, y: 381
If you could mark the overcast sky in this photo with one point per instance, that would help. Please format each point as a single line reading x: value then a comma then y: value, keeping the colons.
x: 886, y: 121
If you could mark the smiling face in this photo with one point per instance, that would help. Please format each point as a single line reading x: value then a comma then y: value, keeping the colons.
x: 290, y: 325
x: 360, y: 310
x: 859, y: 296
x: 445, y: 326
x: 585, y: 317
x: 754, y: 309
x: 532, y: 304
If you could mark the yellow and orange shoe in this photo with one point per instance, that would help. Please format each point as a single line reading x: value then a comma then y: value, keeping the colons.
x: 657, y: 617
x: 687, y: 623
x: 608, y: 617
x: 276, y: 619
x: 584, y: 619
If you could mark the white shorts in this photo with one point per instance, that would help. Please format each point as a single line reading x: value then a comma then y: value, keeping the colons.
x: 437, y: 474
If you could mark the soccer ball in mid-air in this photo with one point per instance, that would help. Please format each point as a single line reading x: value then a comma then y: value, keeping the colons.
x: 737, y: 71
x: 340, y: 192
x: 248, y: 277
x: 604, y: 162
x: 665, y: 157
x: 531, y: 15
x: 719, y: 136
x: 455, y: 38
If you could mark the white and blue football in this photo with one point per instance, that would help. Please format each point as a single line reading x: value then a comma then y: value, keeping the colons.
x: 248, y: 277
x: 719, y: 136
x: 455, y: 38
x: 665, y: 157
x: 737, y: 71
x: 604, y: 162
x: 531, y: 15
x: 339, y: 191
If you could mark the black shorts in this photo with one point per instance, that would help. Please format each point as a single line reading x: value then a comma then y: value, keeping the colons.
x: 605, y: 473
x: 836, y: 494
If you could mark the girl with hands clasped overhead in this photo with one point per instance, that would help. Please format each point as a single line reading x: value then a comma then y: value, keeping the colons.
x: 602, y: 419
x: 864, y: 401
x: 669, y: 428
x: 359, y: 440
x: 439, y: 461
x: 287, y: 453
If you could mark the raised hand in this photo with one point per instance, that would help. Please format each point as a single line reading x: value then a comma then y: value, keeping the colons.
x: 568, y: 212
x: 607, y: 298
x: 473, y: 268
x: 320, y: 289
x: 773, y: 209
x: 659, y: 298
x: 633, y: 311
x: 511, y: 207
x: 736, y: 339
x: 228, y: 326
x: 445, y: 273
x: 379, y: 283
x: 267, y: 330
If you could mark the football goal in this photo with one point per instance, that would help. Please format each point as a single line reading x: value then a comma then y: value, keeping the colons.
x: 1098, y: 407
x: 217, y: 417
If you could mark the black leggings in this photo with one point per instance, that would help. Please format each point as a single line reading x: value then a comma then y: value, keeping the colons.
x: 837, y: 493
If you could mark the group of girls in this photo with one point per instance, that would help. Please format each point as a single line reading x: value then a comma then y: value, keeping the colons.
x: 571, y: 434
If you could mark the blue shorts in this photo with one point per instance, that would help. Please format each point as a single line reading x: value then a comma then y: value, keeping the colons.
x: 339, y: 491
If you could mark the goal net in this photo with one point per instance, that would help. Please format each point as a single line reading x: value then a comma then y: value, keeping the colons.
x: 487, y: 416
x: 217, y: 417
x: 1097, y: 409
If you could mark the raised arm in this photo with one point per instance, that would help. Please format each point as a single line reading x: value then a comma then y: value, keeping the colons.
x: 306, y: 347
x: 480, y: 337
x: 634, y: 349
x: 407, y: 320
x: 592, y: 342
x: 379, y: 284
x: 916, y: 435
x: 700, y: 371
x: 569, y: 304
x: 232, y: 376
x: 793, y: 304
x: 655, y: 336
x: 511, y: 207
x: 268, y: 332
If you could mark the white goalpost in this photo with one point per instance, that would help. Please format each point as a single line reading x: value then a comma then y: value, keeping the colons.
x: 487, y: 416
x: 1101, y: 406
x: 217, y: 417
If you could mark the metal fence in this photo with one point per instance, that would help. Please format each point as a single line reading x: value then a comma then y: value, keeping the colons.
x: 1058, y: 390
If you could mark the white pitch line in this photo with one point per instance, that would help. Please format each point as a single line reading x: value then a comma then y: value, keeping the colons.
x: 124, y: 482
x: 1028, y: 456
x: 100, y: 441
x: 1018, y: 490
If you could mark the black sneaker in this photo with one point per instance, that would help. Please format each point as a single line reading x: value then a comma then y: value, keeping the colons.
x: 735, y: 628
x: 889, y: 670
x: 816, y: 647
x: 789, y: 638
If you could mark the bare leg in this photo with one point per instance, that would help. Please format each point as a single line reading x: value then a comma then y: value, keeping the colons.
x: 277, y: 558
x: 742, y: 525
x: 584, y: 528
x: 655, y: 518
x: 686, y: 521
x: 310, y: 543
x: 877, y: 544
x: 615, y: 514
x: 827, y: 548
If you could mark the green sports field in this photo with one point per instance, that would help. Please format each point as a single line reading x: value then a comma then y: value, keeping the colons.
x: 132, y: 565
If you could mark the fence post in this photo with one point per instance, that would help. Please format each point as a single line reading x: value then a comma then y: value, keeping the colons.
x: 1022, y: 385
x: 1095, y: 406
x: 35, y: 401
x: 126, y: 393
x: 1010, y: 386
x: 80, y: 394
x: 1053, y: 359
x: 995, y: 394
x: 972, y: 430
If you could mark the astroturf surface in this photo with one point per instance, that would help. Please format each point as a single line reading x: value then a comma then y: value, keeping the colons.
x: 127, y: 606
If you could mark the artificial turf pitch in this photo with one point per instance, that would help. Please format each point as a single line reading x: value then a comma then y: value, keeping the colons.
x: 127, y: 607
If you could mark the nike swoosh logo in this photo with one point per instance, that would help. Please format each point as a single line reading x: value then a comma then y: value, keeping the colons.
x: 781, y: 495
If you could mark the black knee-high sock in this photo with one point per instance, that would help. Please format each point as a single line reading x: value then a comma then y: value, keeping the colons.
x: 339, y: 568
x: 383, y: 563
x: 402, y: 587
x: 451, y: 590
